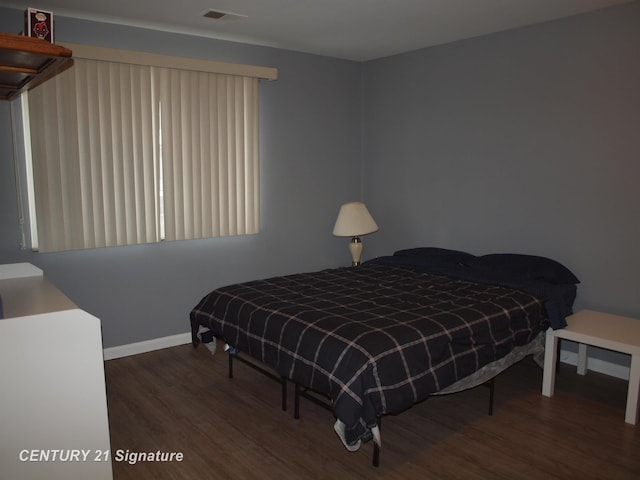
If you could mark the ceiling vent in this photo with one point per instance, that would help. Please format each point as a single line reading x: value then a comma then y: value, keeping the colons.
x: 219, y: 14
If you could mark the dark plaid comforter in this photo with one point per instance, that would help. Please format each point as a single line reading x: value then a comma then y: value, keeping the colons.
x: 376, y: 339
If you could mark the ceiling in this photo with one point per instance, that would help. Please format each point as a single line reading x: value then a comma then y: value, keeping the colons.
x: 350, y: 29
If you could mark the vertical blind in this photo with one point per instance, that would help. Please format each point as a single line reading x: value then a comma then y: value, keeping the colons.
x: 127, y: 154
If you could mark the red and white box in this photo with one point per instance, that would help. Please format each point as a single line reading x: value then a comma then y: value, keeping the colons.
x: 39, y: 24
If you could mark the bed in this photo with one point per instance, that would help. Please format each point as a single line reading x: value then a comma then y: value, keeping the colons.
x: 378, y: 338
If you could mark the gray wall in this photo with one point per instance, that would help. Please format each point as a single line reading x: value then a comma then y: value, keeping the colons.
x: 524, y: 141
x: 310, y: 163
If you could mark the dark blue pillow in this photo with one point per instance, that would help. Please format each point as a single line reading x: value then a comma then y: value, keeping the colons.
x: 526, y: 266
x: 436, y: 254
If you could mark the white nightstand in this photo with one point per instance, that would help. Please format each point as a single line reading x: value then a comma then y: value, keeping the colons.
x: 613, y: 332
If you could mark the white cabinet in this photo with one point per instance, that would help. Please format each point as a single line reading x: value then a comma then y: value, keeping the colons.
x: 53, y: 406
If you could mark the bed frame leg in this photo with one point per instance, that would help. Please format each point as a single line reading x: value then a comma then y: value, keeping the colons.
x: 283, y: 380
x: 492, y: 387
x: 376, y: 447
x: 230, y: 366
x: 296, y: 401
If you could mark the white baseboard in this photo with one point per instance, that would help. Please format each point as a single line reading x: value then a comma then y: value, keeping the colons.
x: 597, y: 365
x: 146, y: 346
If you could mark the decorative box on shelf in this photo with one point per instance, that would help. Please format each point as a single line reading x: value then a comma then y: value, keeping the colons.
x: 38, y: 24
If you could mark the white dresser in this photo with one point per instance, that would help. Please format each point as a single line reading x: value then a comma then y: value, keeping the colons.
x: 53, y: 406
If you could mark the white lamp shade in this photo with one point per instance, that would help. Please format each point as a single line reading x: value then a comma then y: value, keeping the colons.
x: 354, y: 219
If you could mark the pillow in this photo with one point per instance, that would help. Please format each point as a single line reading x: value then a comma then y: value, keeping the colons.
x: 433, y: 253
x: 434, y: 257
x: 526, y: 266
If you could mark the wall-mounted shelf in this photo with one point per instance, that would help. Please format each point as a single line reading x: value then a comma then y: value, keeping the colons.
x: 26, y: 62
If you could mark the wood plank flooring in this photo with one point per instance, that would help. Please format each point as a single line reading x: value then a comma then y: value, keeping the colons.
x: 181, y: 400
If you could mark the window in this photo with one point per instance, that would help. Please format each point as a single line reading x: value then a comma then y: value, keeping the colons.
x: 128, y: 153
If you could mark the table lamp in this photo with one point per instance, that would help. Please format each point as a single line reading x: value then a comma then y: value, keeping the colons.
x: 354, y: 220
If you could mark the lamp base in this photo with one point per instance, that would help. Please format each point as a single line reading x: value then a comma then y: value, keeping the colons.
x: 355, y: 247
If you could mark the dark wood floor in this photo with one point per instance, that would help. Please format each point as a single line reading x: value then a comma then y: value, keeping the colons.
x: 180, y: 400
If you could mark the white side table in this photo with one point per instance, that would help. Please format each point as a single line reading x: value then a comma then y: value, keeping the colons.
x: 604, y: 330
